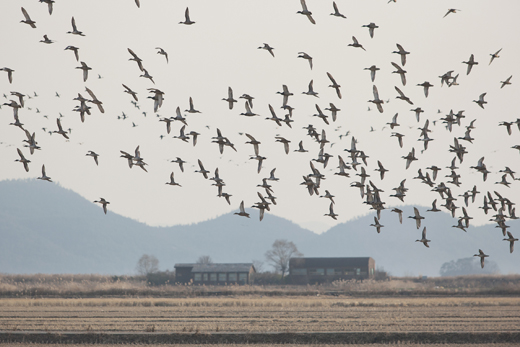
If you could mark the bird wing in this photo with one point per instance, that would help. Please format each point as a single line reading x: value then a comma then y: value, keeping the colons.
x: 133, y: 54
x: 331, y: 78
x: 397, y: 67
x: 59, y: 124
x: 376, y: 94
x: 26, y: 15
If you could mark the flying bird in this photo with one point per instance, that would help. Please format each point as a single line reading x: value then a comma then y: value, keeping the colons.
x: 44, y: 177
x: 482, y: 256
x: 511, y: 240
x: 334, y: 85
x: 306, y: 57
x: 471, y: 61
x: 162, y: 52
x: 172, y: 181
x: 451, y: 10
x: 494, y: 55
x: 187, y: 19
x: 103, y: 202
x: 481, y: 102
x: 75, y: 30
x: 331, y: 212
x: 267, y: 48
x: 379, y: 103
x: 336, y: 12
x: 356, y: 44
x: 401, y: 72
x: 417, y: 217
x: 85, y: 69
x: 424, y: 240
x: 22, y: 160
x: 28, y: 19
x: 371, y: 28
x: 306, y: 12
x: 74, y: 49
x: 242, y: 212
x: 93, y: 155
x: 230, y: 99
x: 402, y: 52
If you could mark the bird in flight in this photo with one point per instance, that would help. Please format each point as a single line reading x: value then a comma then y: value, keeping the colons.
x: 356, y: 43
x: 306, y: 12
x: 482, y: 256
x: 424, y: 240
x: 28, y: 19
x: 267, y: 48
x: 103, y: 202
x: 187, y: 19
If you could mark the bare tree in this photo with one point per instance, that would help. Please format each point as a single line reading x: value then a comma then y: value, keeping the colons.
x: 280, y: 254
x: 204, y: 259
x: 147, y: 264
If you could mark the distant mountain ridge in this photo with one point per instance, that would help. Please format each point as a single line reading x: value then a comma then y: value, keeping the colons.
x: 45, y: 228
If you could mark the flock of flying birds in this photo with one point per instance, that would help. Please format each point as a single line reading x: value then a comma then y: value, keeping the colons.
x: 502, y: 207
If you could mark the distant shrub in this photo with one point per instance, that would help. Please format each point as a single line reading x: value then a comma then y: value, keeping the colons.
x: 160, y: 278
x: 468, y: 266
x: 266, y: 278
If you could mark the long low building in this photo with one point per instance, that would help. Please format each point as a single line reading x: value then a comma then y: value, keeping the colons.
x: 319, y: 270
x: 214, y: 274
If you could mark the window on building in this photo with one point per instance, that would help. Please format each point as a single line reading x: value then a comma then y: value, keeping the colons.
x: 317, y: 272
x: 371, y: 271
x: 222, y: 277
x: 213, y: 277
x: 329, y: 272
x: 204, y: 277
x: 299, y: 272
x: 197, y: 277
x: 232, y: 277
x: 242, y: 277
x: 338, y: 272
x: 358, y: 271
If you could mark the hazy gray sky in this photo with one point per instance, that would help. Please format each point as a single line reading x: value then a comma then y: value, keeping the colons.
x: 221, y: 50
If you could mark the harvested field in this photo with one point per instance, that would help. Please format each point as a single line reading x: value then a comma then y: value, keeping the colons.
x: 280, y: 345
x: 262, y: 315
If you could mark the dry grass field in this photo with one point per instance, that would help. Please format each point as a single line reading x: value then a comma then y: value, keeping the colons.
x: 41, y: 285
x: 262, y: 314
x: 395, y: 311
x: 276, y: 345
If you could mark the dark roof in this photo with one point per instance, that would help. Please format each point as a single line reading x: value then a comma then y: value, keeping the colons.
x: 235, y: 267
x: 328, y: 262
x: 184, y: 265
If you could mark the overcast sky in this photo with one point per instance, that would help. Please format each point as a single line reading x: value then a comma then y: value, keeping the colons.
x: 221, y: 50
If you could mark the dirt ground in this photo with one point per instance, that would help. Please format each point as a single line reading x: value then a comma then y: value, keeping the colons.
x: 235, y: 320
x: 260, y: 314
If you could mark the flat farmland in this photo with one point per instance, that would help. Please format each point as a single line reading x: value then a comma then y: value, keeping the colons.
x: 257, y: 314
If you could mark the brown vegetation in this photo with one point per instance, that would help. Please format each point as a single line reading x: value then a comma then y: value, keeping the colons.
x: 261, y: 314
x: 97, y: 285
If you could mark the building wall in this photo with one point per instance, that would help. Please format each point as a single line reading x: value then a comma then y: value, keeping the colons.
x: 221, y: 278
x: 184, y: 274
x: 322, y: 270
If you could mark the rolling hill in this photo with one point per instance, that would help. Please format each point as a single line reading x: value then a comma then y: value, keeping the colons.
x: 45, y: 228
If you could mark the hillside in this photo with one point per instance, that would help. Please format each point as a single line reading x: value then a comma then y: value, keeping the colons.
x: 48, y: 229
